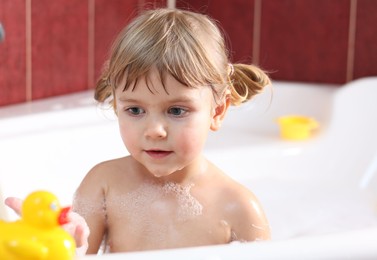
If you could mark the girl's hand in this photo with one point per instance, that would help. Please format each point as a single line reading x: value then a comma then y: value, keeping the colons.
x: 15, y: 204
x: 78, y: 229
x: 76, y: 226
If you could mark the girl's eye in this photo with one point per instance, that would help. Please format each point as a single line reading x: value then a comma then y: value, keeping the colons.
x: 177, y: 111
x: 135, y: 111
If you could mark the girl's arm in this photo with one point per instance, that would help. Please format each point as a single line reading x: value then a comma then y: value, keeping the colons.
x: 89, y: 202
x: 248, y: 220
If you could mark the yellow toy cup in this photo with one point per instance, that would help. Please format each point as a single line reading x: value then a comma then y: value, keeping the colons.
x: 295, y: 127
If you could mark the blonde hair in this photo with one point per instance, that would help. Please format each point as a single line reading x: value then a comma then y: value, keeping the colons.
x: 187, y: 45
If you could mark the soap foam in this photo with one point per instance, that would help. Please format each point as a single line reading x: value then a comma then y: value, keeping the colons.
x: 87, y: 207
x: 170, y: 203
x: 156, y: 195
x: 156, y: 209
x: 189, y: 206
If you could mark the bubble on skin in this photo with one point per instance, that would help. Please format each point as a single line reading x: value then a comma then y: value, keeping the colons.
x: 259, y: 227
x: 87, y: 207
x: 235, y: 239
x: 224, y: 223
x: 189, y: 206
x: 149, y: 193
x: 134, y: 208
x: 233, y: 236
x: 151, y: 208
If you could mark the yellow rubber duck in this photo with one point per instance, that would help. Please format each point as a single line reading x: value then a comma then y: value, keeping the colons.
x: 37, y: 235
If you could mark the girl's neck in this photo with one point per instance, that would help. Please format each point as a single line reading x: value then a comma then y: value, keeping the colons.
x: 188, y: 175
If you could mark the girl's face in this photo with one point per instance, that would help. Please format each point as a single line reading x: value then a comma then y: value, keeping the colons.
x: 165, y: 132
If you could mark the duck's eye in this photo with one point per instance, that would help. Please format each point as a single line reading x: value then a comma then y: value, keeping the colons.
x: 53, y: 206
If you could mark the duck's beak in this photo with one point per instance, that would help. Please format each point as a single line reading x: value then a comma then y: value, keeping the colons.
x: 63, y: 216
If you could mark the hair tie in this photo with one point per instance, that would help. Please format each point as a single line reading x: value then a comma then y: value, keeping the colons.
x: 231, y: 69
x: 107, y: 81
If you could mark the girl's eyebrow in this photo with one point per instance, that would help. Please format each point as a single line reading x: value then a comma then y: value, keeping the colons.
x: 182, y: 99
x: 128, y: 100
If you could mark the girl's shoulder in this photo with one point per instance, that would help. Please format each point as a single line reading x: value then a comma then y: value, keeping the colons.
x: 224, y: 184
x: 112, y: 166
x: 106, y: 171
x: 241, y: 208
x: 228, y: 191
x: 101, y: 178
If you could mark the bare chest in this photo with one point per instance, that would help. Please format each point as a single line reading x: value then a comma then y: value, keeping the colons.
x: 168, y: 218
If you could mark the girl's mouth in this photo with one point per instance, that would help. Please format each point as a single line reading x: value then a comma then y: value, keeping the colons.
x: 157, y: 154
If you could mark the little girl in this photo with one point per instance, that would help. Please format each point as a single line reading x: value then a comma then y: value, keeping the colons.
x: 170, y: 81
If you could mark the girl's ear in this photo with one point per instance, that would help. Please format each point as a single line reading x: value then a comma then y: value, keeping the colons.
x: 220, y: 111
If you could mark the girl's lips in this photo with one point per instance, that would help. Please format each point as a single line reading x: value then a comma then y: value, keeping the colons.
x: 157, y: 154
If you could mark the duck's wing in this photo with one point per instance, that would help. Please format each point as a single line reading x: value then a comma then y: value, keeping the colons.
x: 26, y: 249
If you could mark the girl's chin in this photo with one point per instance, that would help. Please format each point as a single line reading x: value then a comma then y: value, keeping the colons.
x: 164, y: 174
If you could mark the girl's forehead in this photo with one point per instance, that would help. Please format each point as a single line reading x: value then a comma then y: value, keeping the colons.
x: 154, y: 81
x: 154, y: 87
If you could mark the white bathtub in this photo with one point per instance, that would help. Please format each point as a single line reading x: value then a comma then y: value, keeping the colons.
x: 320, y: 195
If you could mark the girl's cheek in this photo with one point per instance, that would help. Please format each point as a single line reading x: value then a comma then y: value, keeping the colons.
x: 190, y: 139
x: 129, y: 134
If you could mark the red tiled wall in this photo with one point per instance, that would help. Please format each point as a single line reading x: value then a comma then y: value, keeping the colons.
x: 57, y: 47
x: 12, y: 52
x: 366, y: 39
x: 305, y: 40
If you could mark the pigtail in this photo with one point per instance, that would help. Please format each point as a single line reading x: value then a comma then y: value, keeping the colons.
x: 102, y: 92
x: 246, y: 82
x: 103, y: 89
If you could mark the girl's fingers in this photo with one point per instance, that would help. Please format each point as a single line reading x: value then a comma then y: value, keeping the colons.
x: 14, y: 203
x: 78, y: 228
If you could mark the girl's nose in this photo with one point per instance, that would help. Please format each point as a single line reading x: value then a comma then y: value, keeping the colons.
x: 155, y: 129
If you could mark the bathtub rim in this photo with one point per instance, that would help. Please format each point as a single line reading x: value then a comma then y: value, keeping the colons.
x: 328, y: 246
